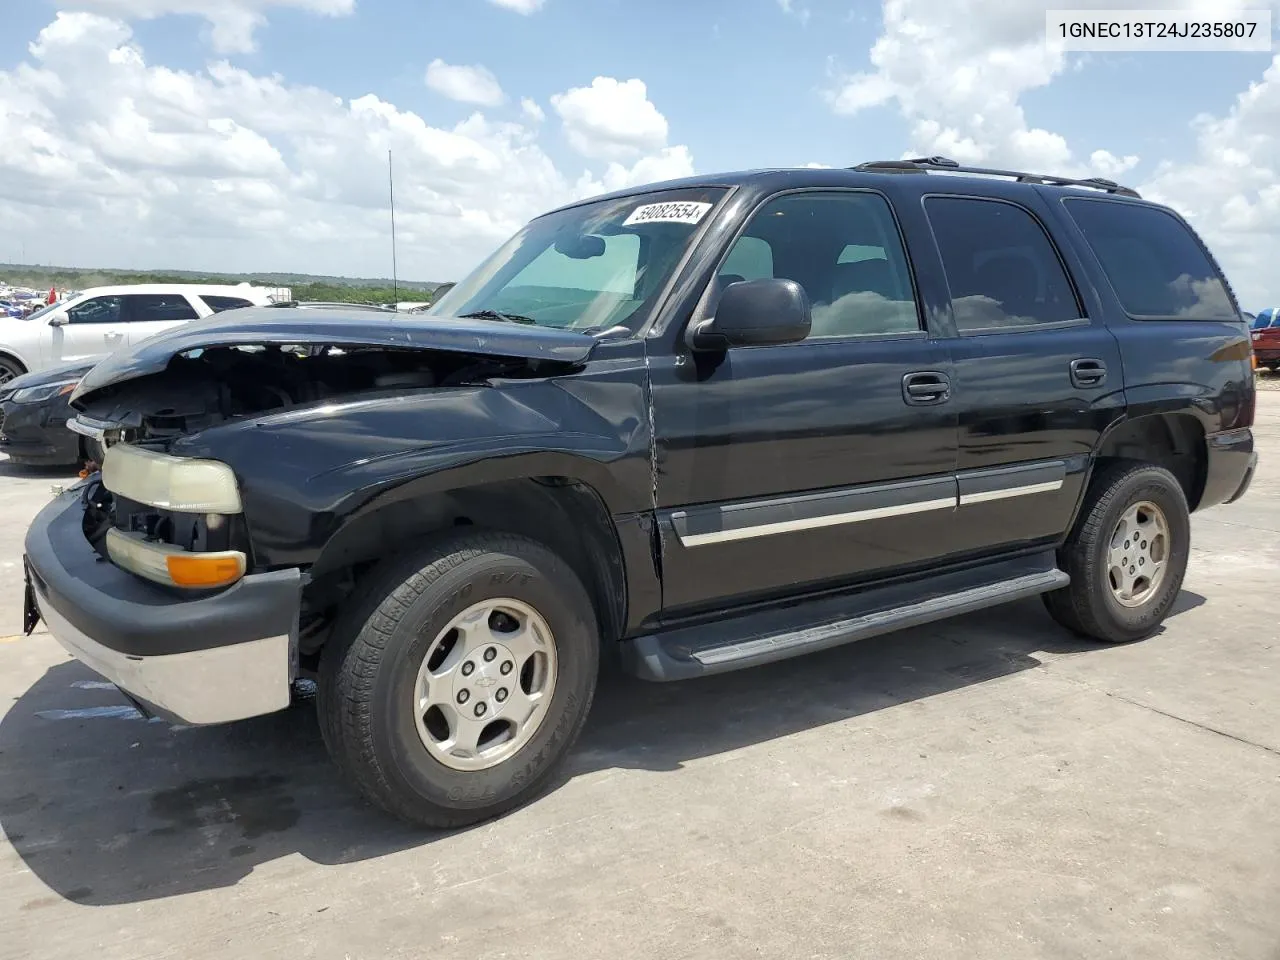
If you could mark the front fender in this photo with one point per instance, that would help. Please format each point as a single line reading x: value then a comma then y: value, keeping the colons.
x: 303, y: 474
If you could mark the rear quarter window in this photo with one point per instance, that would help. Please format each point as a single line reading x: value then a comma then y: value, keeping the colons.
x: 1155, y: 264
x: 218, y: 304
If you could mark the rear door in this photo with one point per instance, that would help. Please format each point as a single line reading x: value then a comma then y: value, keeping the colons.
x: 1038, y: 376
x: 789, y: 468
x: 152, y: 313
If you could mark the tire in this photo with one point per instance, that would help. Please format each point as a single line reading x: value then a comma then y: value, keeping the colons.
x: 370, y: 687
x: 10, y: 368
x: 1091, y: 605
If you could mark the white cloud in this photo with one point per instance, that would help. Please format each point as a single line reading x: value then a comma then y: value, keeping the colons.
x: 532, y: 111
x: 791, y: 8
x: 466, y: 84
x: 957, y: 71
x: 611, y: 119
x: 669, y: 163
x: 113, y: 160
x: 1107, y: 164
x: 1230, y: 189
x: 232, y: 23
x: 525, y: 7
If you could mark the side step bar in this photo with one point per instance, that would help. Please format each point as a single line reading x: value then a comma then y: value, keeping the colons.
x: 749, y: 640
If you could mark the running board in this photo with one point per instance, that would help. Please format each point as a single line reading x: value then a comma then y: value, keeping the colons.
x: 756, y: 638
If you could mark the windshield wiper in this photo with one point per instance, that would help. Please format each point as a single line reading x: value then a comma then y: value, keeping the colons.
x: 495, y: 315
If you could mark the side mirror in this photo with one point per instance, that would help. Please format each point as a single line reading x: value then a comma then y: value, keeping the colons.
x: 754, y: 313
x: 58, y: 320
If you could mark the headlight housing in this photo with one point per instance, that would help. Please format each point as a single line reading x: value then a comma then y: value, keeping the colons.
x: 171, y: 483
x: 45, y: 391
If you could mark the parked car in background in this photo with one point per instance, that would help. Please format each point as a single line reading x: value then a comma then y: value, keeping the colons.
x: 1266, y: 338
x: 101, y: 320
x: 34, y: 411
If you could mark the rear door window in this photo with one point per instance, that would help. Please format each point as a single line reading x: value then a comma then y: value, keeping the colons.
x: 1155, y: 264
x: 158, y: 308
x: 1003, y: 271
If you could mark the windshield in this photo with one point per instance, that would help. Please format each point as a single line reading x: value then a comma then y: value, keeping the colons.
x: 591, y: 267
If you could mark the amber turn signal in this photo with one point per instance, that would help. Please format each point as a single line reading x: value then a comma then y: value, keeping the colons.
x: 208, y: 570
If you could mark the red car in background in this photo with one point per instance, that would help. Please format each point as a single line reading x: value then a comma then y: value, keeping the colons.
x: 1266, y: 338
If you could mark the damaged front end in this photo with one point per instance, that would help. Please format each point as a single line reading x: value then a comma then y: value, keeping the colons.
x: 204, y: 388
x: 147, y: 505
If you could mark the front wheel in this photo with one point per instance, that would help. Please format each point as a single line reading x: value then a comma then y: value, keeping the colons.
x: 10, y: 369
x: 461, y: 680
x: 1126, y: 556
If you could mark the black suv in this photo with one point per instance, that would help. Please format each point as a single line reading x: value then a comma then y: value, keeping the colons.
x: 694, y: 426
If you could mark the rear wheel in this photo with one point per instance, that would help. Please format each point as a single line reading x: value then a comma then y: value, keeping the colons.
x: 1127, y: 555
x: 460, y: 680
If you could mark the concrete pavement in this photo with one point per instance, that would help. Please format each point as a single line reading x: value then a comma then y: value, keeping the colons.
x: 984, y: 788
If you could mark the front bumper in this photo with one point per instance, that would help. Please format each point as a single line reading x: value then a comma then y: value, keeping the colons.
x: 37, y: 433
x: 211, y: 658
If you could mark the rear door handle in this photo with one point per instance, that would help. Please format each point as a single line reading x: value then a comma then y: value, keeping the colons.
x: 926, y: 387
x: 1088, y: 372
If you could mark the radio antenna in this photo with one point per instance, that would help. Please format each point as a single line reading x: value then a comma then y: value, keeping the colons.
x: 391, y: 181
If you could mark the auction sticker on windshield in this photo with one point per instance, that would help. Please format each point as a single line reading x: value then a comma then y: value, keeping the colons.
x: 671, y: 212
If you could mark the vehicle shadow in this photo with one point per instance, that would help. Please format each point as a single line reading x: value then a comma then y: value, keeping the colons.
x: 108, y: 808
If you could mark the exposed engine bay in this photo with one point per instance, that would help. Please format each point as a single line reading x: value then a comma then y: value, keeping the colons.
x: 205, y: 387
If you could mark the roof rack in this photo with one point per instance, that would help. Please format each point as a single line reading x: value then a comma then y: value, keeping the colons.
x: 947, y: 165
x: 332, y: 305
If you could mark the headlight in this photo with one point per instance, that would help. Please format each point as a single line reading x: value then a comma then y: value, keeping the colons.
x: 171, y: 483
x: 46, y: 391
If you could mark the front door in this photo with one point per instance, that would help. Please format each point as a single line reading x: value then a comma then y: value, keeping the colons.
x: 786, y: 469
x: 93, y: 329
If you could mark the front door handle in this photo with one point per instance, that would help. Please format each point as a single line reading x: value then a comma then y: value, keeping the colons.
x: 112, y: 335
x: 925, y: 388
x: 1088, y: 372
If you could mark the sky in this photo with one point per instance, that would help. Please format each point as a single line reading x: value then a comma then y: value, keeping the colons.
x: 252, y: 135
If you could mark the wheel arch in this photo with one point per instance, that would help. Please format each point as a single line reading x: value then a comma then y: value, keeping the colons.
x: 1174, y: 440
x: 566, y: 514
x: 8, y: 353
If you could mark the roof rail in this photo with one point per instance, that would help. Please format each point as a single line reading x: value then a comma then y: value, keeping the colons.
x: 947, y: 165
